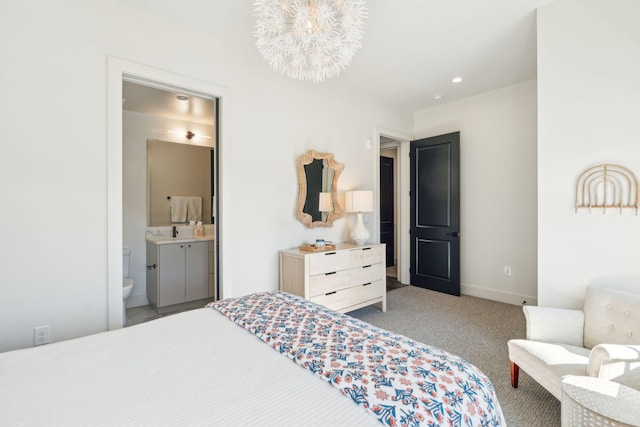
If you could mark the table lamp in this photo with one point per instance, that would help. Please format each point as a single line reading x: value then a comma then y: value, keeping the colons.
x: 358, y: 202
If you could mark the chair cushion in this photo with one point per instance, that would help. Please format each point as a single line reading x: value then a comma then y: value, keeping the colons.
x: 547, y: 363
x: 611, y: 316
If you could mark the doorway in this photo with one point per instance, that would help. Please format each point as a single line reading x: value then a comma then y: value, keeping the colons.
x: 391, y: 208
x: 117, y: 70
x: 170, y: 149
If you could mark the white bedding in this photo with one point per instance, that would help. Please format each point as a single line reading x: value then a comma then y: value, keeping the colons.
x: 192, y: 368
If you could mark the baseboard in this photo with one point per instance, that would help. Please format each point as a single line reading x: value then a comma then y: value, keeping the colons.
x: 137, y: 301
x: 495, y: 295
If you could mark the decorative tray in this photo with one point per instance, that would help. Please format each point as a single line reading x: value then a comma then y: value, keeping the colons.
x: 314, y: 248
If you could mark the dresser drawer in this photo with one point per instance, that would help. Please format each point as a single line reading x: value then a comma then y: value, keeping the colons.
x: 335, y: 300
x: 367, y: 256
x: 329, y: 282
x: 327, y: 262
x: 366, y: 274
x: 363, y: 293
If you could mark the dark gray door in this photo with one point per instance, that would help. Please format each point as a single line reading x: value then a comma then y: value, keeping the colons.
x: 387, y: 198
x: 435, y: 213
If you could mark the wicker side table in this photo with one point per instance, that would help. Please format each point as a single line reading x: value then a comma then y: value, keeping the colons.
x: 595, y: 402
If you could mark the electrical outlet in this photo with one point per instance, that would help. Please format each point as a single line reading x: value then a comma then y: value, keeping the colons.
x: 507, y: 271
x: 41, y: 335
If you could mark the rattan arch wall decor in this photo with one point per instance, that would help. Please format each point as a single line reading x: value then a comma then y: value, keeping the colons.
x: 607, y: 186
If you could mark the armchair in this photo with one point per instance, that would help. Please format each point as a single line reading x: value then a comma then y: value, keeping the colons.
x: 602, y: 341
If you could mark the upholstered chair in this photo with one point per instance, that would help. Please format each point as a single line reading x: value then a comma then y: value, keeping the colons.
x: 602, y: 340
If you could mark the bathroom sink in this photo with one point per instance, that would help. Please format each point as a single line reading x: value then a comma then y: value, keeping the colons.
x: 162, y: 240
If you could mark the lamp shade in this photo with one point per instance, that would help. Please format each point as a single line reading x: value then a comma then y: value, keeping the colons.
x: 358, y: 201
x: 325, y: 204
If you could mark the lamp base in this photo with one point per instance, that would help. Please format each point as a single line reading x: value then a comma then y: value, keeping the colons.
x: 359, y: 234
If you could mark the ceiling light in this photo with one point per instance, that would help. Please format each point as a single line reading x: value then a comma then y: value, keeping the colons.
x: 310, y: 40
x: 457, y: 79
x: 182, y: 97
x: 438, y: 96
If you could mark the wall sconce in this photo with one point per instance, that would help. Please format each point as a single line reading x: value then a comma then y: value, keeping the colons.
x: 189, y: 135
x: 358, y: 202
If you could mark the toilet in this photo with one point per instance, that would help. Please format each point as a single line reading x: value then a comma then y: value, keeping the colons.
x: 127, y: 283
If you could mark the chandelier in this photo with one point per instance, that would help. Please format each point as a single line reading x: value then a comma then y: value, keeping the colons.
x: 310, y: 40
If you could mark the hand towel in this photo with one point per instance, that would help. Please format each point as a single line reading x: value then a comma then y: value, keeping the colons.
x: 178, y: 209
x: 194, y: 208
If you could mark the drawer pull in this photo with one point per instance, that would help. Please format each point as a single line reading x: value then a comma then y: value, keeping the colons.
x: 329, y: 274
x: 331, y: 293
x: 329, y: 253
x: 366, y: 266
x: 366, y: 249
x: 367, y: 284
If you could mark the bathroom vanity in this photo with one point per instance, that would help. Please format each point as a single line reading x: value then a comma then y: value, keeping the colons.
x: 179, y: 270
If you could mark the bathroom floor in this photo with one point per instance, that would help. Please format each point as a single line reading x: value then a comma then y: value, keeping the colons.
x: 136, y: 315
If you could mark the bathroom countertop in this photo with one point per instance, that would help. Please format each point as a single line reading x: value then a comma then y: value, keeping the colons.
x: 163, y: 240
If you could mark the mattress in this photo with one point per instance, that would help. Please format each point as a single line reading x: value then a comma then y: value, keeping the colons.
x: 194, y: 368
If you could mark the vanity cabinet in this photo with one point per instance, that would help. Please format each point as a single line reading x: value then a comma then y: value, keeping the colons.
x: 181, y: 272
x: 344, y: 279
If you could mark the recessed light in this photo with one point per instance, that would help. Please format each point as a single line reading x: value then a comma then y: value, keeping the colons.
x: 457, y: 79
x: 438, y: 96
x: 182, y: 97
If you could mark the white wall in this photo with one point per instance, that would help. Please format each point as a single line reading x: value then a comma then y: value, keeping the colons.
x: 589, y: 109
x: 54, y: 256
x: 497, y: 188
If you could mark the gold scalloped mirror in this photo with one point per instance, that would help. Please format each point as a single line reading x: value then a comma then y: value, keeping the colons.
x: 318, y: 204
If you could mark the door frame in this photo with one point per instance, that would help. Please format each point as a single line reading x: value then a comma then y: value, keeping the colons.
x: 117, y: 70
x: 403, y: 220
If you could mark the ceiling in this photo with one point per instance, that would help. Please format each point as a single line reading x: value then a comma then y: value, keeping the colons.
x: 412, y: 49
x: 164, y: 103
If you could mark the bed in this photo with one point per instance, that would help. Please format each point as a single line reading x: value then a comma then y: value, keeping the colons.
x: 264, y: 359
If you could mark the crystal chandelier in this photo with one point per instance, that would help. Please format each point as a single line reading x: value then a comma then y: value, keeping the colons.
x: 309, y: 40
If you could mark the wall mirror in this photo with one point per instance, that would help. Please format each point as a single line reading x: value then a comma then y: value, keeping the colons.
x: 175, y: 169
x: 318, y: 175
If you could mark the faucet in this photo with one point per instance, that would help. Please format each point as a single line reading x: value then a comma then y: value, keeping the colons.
x: 175, y: 231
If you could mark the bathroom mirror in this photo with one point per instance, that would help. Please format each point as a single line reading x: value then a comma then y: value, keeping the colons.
x: 175, y: 169
x: 318, y: 175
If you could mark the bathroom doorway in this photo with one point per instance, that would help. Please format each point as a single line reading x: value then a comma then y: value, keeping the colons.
x: 119, y: 72
x: 170, y: 140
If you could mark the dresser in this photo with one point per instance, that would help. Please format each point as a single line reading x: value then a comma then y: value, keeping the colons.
x: 345, y: 279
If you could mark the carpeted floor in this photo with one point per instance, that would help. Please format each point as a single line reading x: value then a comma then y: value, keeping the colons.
x: 393, y: 283
x: 477, y: 330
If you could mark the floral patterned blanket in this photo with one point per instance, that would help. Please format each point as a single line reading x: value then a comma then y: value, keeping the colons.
x: 398, y: 380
